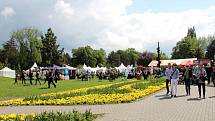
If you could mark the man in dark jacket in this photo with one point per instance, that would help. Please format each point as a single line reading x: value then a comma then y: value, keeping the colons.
x: 50, y: 79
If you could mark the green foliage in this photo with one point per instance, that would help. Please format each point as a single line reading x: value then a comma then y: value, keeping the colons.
x: 51, y: 54
x: 146, y: 58
x: 189, y: 47
x: 127, y: 57
x: 56, y: 116
x: 89, y: 56
x: 22, y: 49
x: 211, y: 49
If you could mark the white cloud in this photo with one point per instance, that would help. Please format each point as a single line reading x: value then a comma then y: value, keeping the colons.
x: 7, y: 12
x: 63, y: 9
x: 107, y: 24
x: 110, y: 27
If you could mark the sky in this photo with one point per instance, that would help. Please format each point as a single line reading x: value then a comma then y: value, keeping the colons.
x: 110, y: 24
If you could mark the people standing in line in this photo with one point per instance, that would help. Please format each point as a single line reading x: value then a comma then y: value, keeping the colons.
x: 168, y: 73
x: 37, y: 77
x: 201, y: 76
x: 23, y: 77
x: 50, y: 79
x: 187, y: 78
x: 174, y: 80
x: 30, y: 76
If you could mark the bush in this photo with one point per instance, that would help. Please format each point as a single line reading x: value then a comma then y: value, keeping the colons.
x: 50, y: 116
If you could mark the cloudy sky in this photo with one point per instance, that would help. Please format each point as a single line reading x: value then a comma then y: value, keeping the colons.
x: 110, y: 24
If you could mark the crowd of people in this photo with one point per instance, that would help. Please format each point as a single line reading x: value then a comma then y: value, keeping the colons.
x: 197, y: 74
x: 51, y: 76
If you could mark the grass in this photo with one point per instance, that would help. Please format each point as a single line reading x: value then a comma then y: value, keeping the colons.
x: 9, y: 90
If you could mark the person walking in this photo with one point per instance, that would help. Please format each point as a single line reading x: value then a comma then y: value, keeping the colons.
x: 145, y: 73
x: 37, y: 78
x: 168, y: 72
x: 16, y: 79
x: 209, y: 72
x: 187, y: 76
x: 30, y: 76
x: 46, y: 76
x: 174, y: 80
x: 213, y: 74
x: 50, y: 79
x: 23, y: 77
x: 201, y: 76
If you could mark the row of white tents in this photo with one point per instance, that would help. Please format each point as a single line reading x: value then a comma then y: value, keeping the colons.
x: 7, y: 72
x: 122, y: 68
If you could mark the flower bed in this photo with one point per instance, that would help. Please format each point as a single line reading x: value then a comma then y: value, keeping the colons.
x: 121, y: 92
x: 51, y: 116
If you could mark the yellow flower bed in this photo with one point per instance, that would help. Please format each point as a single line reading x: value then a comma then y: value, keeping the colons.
x: 21, y: 117
x: 133, y: 95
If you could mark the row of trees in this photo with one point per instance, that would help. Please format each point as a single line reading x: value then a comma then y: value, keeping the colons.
x: 29, y: 45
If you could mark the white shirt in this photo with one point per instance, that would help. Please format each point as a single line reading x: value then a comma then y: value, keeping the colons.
x: 168, y: 73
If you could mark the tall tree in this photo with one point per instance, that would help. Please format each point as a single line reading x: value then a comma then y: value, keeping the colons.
x: 51, y: 54
x: 9, y: 54
x: 211, y: 50
x: 189, y: 47
x: 23, y: 48
x: 132, y: 55
x: 84, y: 55
x: 100, y: 56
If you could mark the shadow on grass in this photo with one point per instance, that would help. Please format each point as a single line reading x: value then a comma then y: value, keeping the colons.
x: 194, y: 99
x: 44, y: 88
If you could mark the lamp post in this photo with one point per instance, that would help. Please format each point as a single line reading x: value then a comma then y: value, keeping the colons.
x: 158, y: 58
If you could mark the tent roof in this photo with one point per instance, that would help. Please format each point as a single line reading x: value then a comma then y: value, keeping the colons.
x: 6, y: 69
x: 34, y: 66
x: 71, y: 68
x: 188, y: 61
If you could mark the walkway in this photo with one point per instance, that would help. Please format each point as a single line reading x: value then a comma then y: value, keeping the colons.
x: 157, y: 107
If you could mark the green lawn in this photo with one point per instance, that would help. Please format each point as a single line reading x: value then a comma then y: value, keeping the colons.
x: 10, y: 90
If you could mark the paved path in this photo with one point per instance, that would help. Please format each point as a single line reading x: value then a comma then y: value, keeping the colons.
x: 157, y: 107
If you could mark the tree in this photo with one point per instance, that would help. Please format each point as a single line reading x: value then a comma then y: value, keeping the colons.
x: 9, y: 54
x: 132, y: 55
x: 89, y: 56
x: 113, y: 59
x: 67, y: 59
x: 51, y: 54
x: 145, y: 58
x: 191, y: 32
x: 189, y: 47
x: 23, y: 48
x: 211, y: 50
x: 100, y: 56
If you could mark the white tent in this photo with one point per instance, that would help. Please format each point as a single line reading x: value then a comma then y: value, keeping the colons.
x: 6, y: 72
x: 70, y: 68
x: 34, y: 66
x: 122, y: 68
